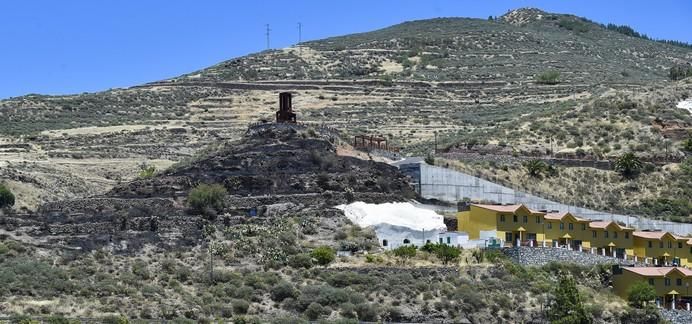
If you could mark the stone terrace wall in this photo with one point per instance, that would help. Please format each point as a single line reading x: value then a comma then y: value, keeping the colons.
x: 541, y: 256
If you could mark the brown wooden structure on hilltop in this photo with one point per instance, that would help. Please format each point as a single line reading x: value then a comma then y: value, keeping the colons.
x: 285, y: 113
x: 372, y: 142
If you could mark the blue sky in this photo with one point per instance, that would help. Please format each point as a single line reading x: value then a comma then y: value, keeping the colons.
x: 73, y: 46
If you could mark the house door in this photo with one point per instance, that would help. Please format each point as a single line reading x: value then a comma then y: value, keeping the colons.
x: 531, y: 237
x: 576, y: 244
x: 620, y: 253
x: 508, y: 238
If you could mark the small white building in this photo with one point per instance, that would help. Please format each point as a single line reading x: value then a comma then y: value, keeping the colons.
x: 458, y: 239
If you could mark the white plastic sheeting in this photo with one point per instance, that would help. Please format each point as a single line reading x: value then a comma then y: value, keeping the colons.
x: 687, y: 105
x: 397, y: 223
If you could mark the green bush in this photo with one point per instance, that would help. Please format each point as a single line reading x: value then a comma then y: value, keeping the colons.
x: 147, y: 172
x: 324, y: 255
x: 628, y: 164
x: 282, y: 291
x: 549, y: 77
x: 207, y: 196
x: 301, y: 260
x: 314, y: 311
x: 6, y: 197
x: 640, y: 294
x: 240, y: 306
x: 405, y: 252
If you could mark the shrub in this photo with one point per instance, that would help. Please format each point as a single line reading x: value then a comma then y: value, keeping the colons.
x: 448, y: 253
x: 300, y: 261
x: 147, y: 172
x: 240, y: 306
x: 366, y: 312
x: 282, y: 291
x: 314, y: 311
x: 550, y: 77
x: 641, y: 293
x: 324, y: 255
x: 405, y: 252
x: 206, y: 196
x: 6, y: 197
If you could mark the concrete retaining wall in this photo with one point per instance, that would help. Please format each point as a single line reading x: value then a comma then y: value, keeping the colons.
x: 449, y: 185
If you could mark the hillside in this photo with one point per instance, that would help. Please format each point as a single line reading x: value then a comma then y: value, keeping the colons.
x: 142, y: 251
x: 469, y: 80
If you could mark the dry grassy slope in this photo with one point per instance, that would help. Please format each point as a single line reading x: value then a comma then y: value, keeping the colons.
x: 463, y: 78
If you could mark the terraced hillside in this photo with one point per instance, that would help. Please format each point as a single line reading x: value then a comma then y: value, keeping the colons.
x: 468, y: 80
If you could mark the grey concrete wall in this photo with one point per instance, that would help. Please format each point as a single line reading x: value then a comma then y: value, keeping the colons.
x: 450, y: 185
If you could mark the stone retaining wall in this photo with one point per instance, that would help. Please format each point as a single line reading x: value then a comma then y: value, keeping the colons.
x: 538, y: 256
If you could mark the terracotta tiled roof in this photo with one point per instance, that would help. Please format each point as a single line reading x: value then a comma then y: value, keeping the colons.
x: 657, y: 271
x: 561, y: 215
x: 650, y: 235
x: 602, y: 225
x: 505, y: 208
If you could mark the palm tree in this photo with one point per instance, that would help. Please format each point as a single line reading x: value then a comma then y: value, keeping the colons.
x: 628, y: 164
x: 535, y: 167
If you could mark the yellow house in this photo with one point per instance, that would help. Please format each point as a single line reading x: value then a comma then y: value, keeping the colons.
x: 611, y: 239
x: 662, y: 248
x: 671, y: 283
x: 565, y: 229
x: 507, y: 222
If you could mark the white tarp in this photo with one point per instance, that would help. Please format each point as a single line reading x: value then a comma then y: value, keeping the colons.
x: 397, y: 223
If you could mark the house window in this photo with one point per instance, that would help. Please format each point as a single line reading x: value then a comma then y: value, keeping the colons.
x: 515, y: 218
x: 502, y: 218
x: 384, y: 242
x: 441, y: 240
x: 562, y: 226
x: 678, y: 282
x: 660, y: 244
x: 615, y: 234
x: 670, y: 244
x: 449, y: 240
x: 667, y: 282
x: 650, y: 244
x: 538, y: 219
x: 583, y: 227
x: 651, y: 281
x: 605, y: 234
x: 594, y: 234
x: 570, y: 226
x: 550, y: 225
x: 526, y: 219
x: 627, y: 235
x: 679, y: 245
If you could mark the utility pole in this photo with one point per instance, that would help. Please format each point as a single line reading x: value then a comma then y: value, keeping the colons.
x: 435, y: 152
x: 300, y: 32
x: 267, y: 34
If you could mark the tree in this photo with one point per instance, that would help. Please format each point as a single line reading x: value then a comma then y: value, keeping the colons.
x: 323, y: 255
x: 687, y: 144
x: 405, y: 252
x: 535, y: 167
x: 6, y: 197
x: 628, y: 164
x: 641, y: 293
x: 206, y: 198
x: 567, y: 307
